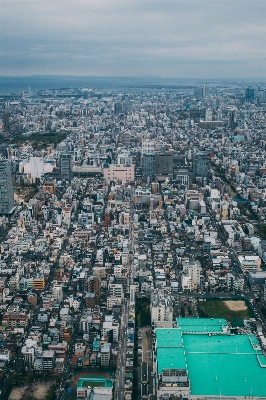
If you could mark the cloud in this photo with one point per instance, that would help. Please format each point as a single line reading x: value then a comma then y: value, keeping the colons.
x: 127, y: 37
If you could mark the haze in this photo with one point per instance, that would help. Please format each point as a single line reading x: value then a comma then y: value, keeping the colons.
x: 197, y: 39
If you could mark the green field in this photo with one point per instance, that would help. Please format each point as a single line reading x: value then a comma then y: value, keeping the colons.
x: 92, y: 384
x: 217, y: 309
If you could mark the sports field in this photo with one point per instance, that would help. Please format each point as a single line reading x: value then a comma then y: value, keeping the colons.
x: 220, y: 309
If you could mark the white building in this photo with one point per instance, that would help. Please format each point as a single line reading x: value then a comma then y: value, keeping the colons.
x: 148, y: 146
x: 193, y: 270
x: 105, y: 354
x: 116, y: 290
x: 161, y: 306
x: 186, y: 282
x: 57, y: 293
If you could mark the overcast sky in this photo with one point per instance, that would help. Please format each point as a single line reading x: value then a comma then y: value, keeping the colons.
x: 175, y: 39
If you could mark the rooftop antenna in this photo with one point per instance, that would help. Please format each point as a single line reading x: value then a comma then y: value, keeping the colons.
x: 216, y: 378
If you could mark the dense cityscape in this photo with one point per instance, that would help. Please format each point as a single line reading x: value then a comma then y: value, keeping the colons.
x: 133, y: 243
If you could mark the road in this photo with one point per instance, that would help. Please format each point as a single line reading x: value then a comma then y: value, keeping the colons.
x: 71, y: 351
x: 121, y: 369
x: 130, y: 280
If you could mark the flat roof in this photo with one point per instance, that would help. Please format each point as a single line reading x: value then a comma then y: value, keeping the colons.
x: 210, y: 325
x: 170, y: 349
x: 217, y: 365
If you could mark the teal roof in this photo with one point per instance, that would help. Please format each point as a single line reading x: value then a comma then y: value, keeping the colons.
x: 227, y: 365
x: 170, y: 349
x: 213, y: 325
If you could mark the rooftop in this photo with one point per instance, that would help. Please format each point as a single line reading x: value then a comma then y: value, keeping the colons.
x: 219, y: 364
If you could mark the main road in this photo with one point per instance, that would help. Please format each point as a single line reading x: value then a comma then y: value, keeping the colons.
x: 120, y: 388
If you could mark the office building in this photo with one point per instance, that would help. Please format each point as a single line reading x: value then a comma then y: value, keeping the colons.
x: 219, y: 115
x: 200, y: 165
x: 118, y: 108
x: 6, y: 188
x: 249, y: 94
x: 65, y: 166
x: 163, y: 163
x: 208, y: 115
x: 232, y: 120
x: 6, y: 121
x: 148, y: 166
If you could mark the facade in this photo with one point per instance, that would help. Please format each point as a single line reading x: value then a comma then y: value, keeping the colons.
x: 36, y: 167
x: 148, y: 166
x: 193, y: 270
x: 65, y: 166
x: 6, y: 188
x: 118, y: 108
x: 163, y: 163
x: 148, y: 146
x: 119, y: 172
x: 161, y: 306
x: 200, y: 165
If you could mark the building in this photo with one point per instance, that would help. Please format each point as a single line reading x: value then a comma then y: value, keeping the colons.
x: 119, y: 172
x: 193, y: 270
x: 232, y: 119
x: 48, y: 360
x: 6, y: 188
x: 57, y: 293
x: 249, y: 263
x: 161, y: 306
x: 249, y: 94
x: 118, y: 108
x: 65, y: 166
x: 163, y: 164
x: 257, y: 278
x: 148, y: 146
x: 201, y: 347
x: 200, y: 165
x: 36, y: 167
x: 200, y: 92
x: 105, y: 354
x: 148, y: 166
x: 208, y: 115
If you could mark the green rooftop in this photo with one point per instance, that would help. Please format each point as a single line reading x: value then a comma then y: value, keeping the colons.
x: 217, y: 365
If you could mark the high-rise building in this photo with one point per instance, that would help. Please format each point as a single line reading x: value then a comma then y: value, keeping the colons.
x: 249, y: 94
x: 6, y: 121
x: 200, y: 92
x: 200, y: 165
x: 219, y: 115
x: 232, y: 122
x: 6, y: 188
x: 118, y: 108
x: 65, y: 166
x: 148, y: 166
x: 208, y: 114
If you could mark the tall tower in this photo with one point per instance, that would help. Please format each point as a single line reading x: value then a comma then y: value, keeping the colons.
x: 232, y: 120
x: 6, y: 121
x: 65, y: 166
x: 249, y: 94
x: 208, y: 115
x: 6, y: 188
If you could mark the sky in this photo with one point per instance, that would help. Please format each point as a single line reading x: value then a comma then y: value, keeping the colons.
x: 167, y: 38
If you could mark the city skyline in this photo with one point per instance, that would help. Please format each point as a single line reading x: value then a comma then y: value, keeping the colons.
x: 173, y: 39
